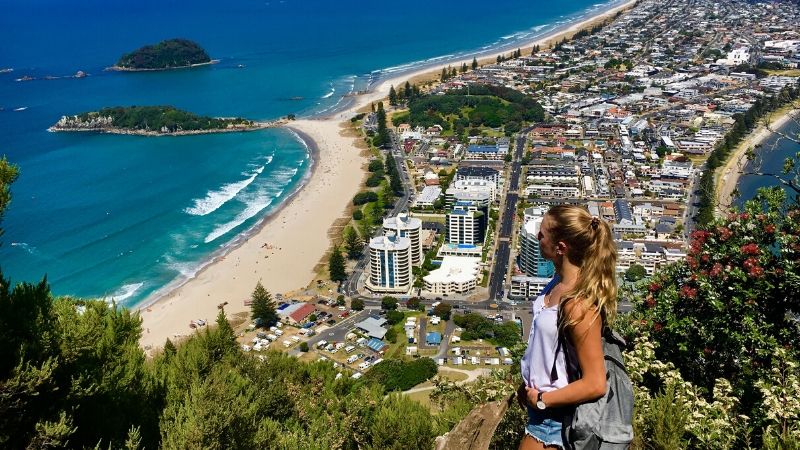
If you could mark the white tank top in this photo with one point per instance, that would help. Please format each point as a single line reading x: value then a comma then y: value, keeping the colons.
x: 537, y: 363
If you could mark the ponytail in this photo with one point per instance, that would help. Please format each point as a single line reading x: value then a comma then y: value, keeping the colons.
x: 591, y: 247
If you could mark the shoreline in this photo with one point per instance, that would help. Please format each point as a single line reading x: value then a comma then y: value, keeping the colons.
x: 131, y: 69
x: 333, y: 180
x: 379, y: 89
x: 727, y: 180
x: 122, y: 131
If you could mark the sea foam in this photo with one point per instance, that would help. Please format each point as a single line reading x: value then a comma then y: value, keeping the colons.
x: 253, y: 208
x: 125, y: 292
x: 216, y: 198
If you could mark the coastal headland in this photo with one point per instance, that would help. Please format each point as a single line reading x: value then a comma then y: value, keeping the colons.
x: 285, y: 249
x: 155, y: 121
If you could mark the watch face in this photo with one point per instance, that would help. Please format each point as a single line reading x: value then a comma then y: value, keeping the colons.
x: 540, y: 404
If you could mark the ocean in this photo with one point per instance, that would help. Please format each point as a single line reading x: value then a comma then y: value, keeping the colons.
x: 119, y: 217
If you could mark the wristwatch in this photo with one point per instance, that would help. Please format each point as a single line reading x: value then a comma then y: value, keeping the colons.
x: 539, y: 402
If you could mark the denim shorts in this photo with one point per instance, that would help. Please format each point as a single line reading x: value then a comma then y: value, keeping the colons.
x: 545, y: 427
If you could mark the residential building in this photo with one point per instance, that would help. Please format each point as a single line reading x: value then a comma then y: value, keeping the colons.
x: 408, y: 227
x: 466, y: 224
x: 456, y: 275
x: 389, y: 264
x: 530, y: 256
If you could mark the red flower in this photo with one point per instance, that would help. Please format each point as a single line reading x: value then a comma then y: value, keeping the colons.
x: 716, y: 270
x: 654, y: 287
x: 761, y: 217
x: 692, y: 262
x: 744, y: 216
x: 707, y: 351
x: 756, y: 272
x: 657, y: 326
x: 750, y: 249
x: 688, y: 292
x: 705, y: 257
x: 650, y: 301
x: 770, y: 228
x: 750, y: 263
x: 724, y: 233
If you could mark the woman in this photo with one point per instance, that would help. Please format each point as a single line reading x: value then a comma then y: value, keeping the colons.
x: 584, y: 288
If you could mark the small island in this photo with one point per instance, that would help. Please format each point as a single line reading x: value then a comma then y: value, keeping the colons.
x: 154, y: 121
x: 169, y: 54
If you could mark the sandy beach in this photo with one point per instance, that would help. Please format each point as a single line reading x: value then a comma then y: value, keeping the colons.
x: 730, y: 173
x: 284, y: 252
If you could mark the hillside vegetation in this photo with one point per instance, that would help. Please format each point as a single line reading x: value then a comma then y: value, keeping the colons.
x: 169, y: 54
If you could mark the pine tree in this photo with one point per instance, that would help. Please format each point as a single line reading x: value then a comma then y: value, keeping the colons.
x: 263, y: 307
x: 409, y: 91
x: 444, y: 74
x: 336, y: 265
x: 474, y: 63
x: 352, y: 243
x: 453, y: 72
x: 499, y: 59
x: 392, y: 96
x: 463, y: 68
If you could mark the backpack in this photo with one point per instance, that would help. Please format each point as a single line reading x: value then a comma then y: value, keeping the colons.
x: 605, y: 423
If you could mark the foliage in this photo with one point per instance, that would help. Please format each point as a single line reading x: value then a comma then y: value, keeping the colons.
x: 388, y: 303
x: 166, y: 54
x: 353, y: 245
x: 478, y: 327
x: 394, y: 317
x: 490, y: 106
x: 391, y: 335
x: 443, y: 310
x: 413, y: 303
x: 395, y: 374
x: 358, y: 214
x: 304, y: 346
x: 8, y: 174
x: 156, y: 118
x: 365, y: 197
x: 635, y: 273
x: 336, y: 265
x: 262, y: 308
x: 357, y: 304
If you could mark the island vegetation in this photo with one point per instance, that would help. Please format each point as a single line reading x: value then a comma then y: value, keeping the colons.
x: 168, y: 54
x: 151, y: 120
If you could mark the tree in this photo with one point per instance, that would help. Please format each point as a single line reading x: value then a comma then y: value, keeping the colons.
x: 340, y: 300
x: 443, y: 310
x: 357, y: 304
x: 336, y: 265
x: 8, y: 174
x: 413, y: 303
x: 304, y: 346
x: 464, y: 68
x: 474, y: 63
x: 635, y: 273
x: 352, y: 243
x: 262, y: 308
x: 444, y: 74
x: 391, y: 335
x: 388, y: 303
x: 409, y: 91
x: 392, y: 96
x: 312, y: 317
x: 394, y: 317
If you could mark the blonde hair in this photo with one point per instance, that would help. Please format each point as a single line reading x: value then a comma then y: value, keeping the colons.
x: 590, y: 247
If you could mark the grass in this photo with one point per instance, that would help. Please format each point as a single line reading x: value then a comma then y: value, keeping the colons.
x: 785, y: 73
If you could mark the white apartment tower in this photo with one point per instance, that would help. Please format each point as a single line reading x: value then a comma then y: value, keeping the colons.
x: 408, y: 227
x: 390, y: 264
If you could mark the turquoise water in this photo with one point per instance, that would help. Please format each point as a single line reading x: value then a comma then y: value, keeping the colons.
x: 121, y: 216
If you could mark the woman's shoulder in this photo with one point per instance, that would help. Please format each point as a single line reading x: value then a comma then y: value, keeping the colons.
x: 576, y: 309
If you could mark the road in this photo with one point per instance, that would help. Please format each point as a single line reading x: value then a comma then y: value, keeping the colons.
x: 506, y: 227
x: 350, y: 286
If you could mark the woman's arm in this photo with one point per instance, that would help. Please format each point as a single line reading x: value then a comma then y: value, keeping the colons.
x: 585, y: 336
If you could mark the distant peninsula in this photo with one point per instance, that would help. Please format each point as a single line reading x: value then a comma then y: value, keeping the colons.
x: 154, y: 121
x: 169, y: 54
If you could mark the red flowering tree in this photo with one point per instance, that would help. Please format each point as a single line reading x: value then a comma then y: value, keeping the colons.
x: 735, y: 298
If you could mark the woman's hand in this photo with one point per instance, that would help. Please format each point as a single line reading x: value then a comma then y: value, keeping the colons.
x: 531, y: 395
x: 522, y: 395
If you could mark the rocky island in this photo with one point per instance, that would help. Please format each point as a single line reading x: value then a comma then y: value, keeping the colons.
x: 154, y: 121
x: 169, y: 54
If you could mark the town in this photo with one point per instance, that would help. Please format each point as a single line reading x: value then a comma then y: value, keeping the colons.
x: 622, y: 118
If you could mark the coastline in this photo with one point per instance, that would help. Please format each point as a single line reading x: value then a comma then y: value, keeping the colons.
x: 728, y: 178
x: 130, y: 69
x: 257, y: 126
x: 304, y: 221
x: 281, y: 252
